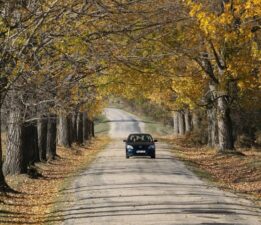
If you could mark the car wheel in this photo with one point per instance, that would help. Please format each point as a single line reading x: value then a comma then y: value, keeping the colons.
x: 153, y: 156
x: 127, y: 156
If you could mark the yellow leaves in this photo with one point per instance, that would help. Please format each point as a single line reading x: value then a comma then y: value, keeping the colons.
x: 145, y: 53
x: 3, y: 27
x: 195, y: 8
x: 71, y: 45
x: 252, y: 8
x: 225, y: 19
x: 256, y: 51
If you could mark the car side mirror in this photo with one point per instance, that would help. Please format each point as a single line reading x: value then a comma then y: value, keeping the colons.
x: 155, y: 140
x: 124, y: 140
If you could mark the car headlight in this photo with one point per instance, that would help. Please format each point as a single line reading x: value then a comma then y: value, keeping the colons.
x: 129, y: 147
x: 151, y: 147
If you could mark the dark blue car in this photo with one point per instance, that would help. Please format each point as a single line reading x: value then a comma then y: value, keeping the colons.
x: 140, y: 145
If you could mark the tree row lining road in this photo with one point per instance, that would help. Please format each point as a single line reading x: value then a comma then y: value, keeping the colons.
x: 137, y: 191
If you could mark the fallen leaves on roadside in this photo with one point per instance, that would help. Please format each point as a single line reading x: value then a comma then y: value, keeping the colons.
x: 36, y: 197
x: 239, y: 173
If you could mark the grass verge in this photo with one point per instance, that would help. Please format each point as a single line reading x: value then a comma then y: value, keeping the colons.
x: 155, y: 128
x: 35, y: 200
x: 101, y: 125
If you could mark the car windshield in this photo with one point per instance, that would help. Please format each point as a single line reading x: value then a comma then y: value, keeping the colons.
x: 140, y: 138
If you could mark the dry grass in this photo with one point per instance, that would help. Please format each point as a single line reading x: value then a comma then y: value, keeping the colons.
x: 235, y: 172
x: 36, y: 197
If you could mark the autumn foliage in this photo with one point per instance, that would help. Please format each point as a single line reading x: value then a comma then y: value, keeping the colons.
x: 61, y: 61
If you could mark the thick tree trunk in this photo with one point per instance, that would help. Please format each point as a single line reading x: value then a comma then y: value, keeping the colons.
x: 195, y: 120
x: 30, y: 144
x: 212, y: 127
x: 225, y: 133
x: 79, y: 122
x: 175, y: 123
x: 64, y: 132
x: 42, y: 138
x: 3, y: 184
x: 181, y: 123
x: 22, y: 147
x: 51, y: 137
x: 187, y: 120
x: 14, y: 162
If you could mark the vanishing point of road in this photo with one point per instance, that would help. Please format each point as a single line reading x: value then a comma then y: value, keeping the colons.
x: 139, y: 191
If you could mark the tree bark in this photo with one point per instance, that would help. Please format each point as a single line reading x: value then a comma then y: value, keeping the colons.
x: 225, y: 131
x: 90, y: 129
x: 42, y: 138
x: 73, y: 130
x: 176, y: 123
x: 51, y: 138
x: 64, y: 132
x: 3, y: 184
x: 30, y: 144
x: 93, y: 129
x: 195, y: 120
x: 212, y: 127
x: 14, y: 162
x: 84, y: 126
x: 187, y: 120
x: 2, y: 178
x: 181, y: 123
x: 79, y: 122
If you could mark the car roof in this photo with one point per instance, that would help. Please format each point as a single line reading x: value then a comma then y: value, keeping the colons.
x: 138, y: 134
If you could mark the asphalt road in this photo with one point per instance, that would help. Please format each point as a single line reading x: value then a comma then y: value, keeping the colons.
x: 138, y: 191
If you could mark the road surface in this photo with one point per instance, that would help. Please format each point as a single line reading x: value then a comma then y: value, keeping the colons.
x: 140, y: 191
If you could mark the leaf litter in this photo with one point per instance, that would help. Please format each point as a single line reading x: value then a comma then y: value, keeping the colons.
x: 35, y: 198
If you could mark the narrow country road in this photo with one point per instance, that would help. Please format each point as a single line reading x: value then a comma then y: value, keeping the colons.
x: 138, y: 191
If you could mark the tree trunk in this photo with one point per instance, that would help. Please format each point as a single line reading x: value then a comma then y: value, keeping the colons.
x: 2, y: 178
x: 64, y: 132
x: 3, y: 184
x: 195, y: 120
x: 84, y: 126
x: 42, y: 138
x: 51, y: 137
x: 93, y: 129
x: 212, y: 127
x: 225, y: 132
x: 73, y: 130
x: 90, y: 129
x: 30, y: 144
x: 181, y: 123
x: 14, y: 162
x: 176, y: 123
x: 187, y: 120
x: 79, y: 128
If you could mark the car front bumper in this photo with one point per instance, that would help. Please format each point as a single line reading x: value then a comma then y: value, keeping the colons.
x: 140, y: 152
